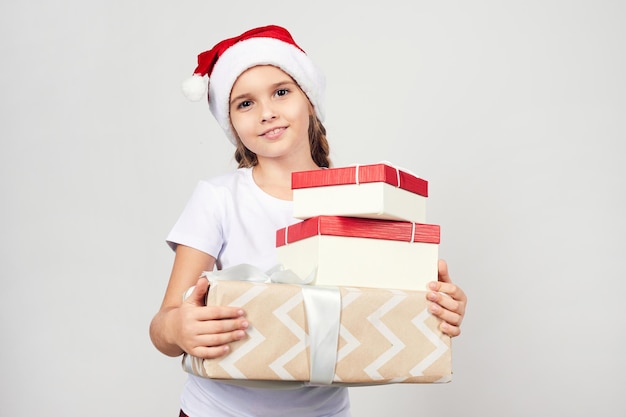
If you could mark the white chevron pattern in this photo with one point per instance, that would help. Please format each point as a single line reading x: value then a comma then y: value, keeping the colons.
x: 351, y: 342
x: 350, y: 295
x: 282, y: 313
x: 440, y: 347
x: 396, y: 344
x: 255, y: 337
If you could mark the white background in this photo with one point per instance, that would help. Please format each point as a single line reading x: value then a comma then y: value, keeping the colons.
x: 513, y: 111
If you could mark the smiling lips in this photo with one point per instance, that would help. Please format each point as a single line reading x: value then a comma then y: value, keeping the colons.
x: 274, y: 133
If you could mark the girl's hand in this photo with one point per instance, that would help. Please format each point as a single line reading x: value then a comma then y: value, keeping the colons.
x: 448, y: 301
x: 205, y: 331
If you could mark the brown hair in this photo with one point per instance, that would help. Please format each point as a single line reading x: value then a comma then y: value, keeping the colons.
x: 317, y: 141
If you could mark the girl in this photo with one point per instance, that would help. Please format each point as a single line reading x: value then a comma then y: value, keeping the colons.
x: 267, y: 95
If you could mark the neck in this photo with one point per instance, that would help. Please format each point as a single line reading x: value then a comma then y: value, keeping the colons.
x: 274, y: 177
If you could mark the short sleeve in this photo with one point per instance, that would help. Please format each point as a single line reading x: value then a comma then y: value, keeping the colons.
x: 200, y: 224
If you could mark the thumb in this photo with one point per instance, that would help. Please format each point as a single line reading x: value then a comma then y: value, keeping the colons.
x: 443, y: 274
x: 196, y: 295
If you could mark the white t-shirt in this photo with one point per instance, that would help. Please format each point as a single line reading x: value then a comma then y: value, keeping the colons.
x: 232, y: 219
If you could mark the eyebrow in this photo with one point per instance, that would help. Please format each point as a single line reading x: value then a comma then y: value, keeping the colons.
x: 272, y: 87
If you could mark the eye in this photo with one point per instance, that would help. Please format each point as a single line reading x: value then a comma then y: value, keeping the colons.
x: 244, y: 104
x: 282, y: 92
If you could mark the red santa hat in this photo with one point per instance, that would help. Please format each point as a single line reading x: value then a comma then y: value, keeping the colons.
x: 220, y: 67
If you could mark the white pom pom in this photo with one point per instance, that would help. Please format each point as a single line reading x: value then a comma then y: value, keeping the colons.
x: 195, y: 87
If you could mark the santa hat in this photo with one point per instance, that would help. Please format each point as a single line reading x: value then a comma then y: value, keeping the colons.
x: 269, y: 45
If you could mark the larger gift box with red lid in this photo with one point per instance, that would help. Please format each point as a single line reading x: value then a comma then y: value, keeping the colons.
x: 347, y: 251
x: 372, y: 191
x: 329, y: 335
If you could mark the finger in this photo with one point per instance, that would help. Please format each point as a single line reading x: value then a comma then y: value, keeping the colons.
x: 209, y: 352
x: 442, y: 269
x: 198, y: 295
x: 448, y: 302
x: 220, y: 313
x: 450, y: 330
x: 217, y: 339
x: 444, y: 283
x: 450, y: 320
x: 215, y: 345
x: 216, y: 327
x: 453, y: 290
x: 450, y: 316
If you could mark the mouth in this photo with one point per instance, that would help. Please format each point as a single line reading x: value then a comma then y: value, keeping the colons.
x: 273, y: 133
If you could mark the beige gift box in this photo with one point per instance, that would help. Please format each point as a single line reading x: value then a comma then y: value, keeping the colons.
x: 383, y: 336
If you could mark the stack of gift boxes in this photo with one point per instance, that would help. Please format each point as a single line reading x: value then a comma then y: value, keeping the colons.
x: 367, y: 254
x: 362, y: 226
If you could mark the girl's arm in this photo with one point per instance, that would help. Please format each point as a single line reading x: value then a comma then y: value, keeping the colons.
x: 449, y: 306
x: 190, y: 326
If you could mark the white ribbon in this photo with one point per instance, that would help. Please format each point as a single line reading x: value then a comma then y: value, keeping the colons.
x: 397, y: 168
x: 323, y: 310
x: 322, y: 307
x: 246, y: 272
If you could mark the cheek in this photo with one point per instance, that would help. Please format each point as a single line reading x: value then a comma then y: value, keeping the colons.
x: 238, y: 123
x: 301, y: 113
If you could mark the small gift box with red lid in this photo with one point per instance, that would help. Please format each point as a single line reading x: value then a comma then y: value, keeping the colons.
x: 371, y: 191
x: 348, y: 251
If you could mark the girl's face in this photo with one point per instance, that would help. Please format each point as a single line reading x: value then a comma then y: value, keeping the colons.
x: 270, y: 114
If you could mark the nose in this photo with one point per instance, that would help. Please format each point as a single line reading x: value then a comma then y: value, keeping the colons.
x: 267, y: 112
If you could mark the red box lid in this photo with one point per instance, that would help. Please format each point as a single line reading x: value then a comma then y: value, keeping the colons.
x: 359, y: 227
x: 360, y: 174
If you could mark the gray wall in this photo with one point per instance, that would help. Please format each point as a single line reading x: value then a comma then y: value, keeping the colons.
x: 514, y: 111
